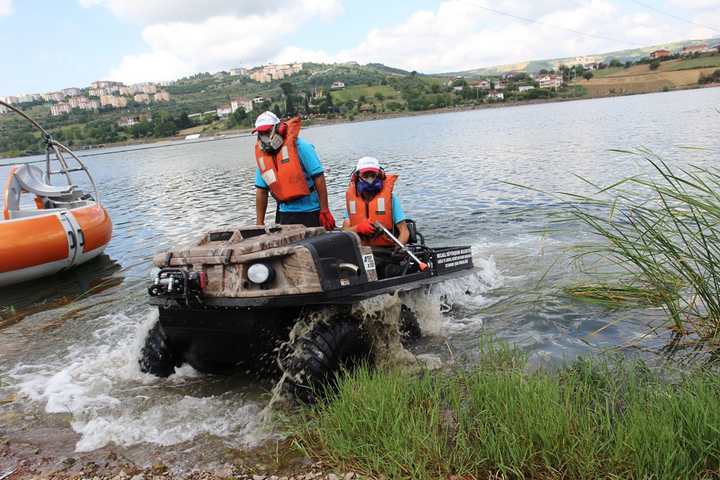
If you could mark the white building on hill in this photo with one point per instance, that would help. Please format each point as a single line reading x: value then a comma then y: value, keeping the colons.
x: 223, y: 111
x: 268, y: 73
x: 59, y: 109
x: 551, y: 81
x: 243, y: 103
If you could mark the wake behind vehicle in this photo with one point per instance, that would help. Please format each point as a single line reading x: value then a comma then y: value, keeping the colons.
x: 233, y: 297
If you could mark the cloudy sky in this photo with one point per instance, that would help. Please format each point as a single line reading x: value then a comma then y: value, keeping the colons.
x: 52, y: 44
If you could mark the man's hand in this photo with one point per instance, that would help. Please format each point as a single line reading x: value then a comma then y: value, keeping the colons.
x: 327, y: 220
x: 366, y: 228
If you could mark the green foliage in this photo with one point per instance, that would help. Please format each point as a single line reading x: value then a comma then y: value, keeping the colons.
x: 663, y: 232
x: 654, y: 64
x: 536, y: 93
x: 354, y: 93
x: 239, y: 118
x: 142, y: 129
x: 712, y: 78
x: 593, y: 419
x: 692, y: 63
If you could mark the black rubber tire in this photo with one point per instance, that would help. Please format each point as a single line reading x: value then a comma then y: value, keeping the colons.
x: 157, y: 356
x: 313, y: 361
x: 409, y: 326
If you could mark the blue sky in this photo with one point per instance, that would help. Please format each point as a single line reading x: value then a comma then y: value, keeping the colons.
x: 48, y: 45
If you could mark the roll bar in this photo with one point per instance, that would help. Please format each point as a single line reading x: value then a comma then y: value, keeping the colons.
x: 54, y: 152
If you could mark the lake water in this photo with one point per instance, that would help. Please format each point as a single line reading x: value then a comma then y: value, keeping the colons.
x: 68, y: 345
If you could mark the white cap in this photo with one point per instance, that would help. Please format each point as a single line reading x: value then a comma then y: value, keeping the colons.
x: 368, y: 163
x: 266, y: 119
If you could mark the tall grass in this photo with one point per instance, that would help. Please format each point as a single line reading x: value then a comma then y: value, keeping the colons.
x: 590, y: 420
x: 664, y: 232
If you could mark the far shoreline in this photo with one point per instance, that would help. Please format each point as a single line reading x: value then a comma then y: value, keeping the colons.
x: 313, y: 122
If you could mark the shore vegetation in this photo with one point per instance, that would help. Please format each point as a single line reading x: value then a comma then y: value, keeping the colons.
x: 661, y: 232
x: 591, y: 419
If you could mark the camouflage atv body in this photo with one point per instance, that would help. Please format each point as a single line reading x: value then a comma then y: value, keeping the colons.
x: 232, y: 297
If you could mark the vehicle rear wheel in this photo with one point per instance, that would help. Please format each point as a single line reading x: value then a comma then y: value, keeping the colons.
x: 157, y: 357
x: 409, y: 326
x: 313, y: 360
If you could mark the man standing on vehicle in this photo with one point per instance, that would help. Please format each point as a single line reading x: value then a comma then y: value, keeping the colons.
x: 289, y: 169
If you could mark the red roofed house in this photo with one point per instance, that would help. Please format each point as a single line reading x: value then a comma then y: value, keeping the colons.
x: 691, y: 49
x: 662, y: 53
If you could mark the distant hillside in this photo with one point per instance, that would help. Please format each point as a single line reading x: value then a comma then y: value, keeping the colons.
x: 534, y: 66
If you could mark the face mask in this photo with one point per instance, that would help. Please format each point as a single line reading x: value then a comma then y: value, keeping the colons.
x: 369, y: 187
x: 272, y: 142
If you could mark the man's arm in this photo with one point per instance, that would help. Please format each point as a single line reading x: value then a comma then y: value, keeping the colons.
x: 321, y: 188
x: 261, y: 201
x: 403, y: 232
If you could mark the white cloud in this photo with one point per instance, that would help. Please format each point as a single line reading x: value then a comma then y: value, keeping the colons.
x: 215, y: 40
x: 5, y: 7
x: 155, y: 66
x: 694, y: 4
x: 295, y: 54
x: 459, y: 34
x: 464, y: 34
x: 152, y: 11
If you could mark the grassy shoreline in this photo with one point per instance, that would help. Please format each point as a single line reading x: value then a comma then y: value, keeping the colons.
x: 591, y: 419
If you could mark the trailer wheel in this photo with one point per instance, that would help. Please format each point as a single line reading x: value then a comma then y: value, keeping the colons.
x: 312, y: 361
x: 409, y: 326
x: 156, y: 356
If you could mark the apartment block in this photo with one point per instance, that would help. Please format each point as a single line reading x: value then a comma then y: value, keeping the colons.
x: 71, y: 92
x: 105, y: 84
x: 243, y: 103
x: 59, y: 109
x: 268, y: 73
x: 162, y: 96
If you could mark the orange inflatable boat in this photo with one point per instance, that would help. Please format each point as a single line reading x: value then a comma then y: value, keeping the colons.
x: 47, y: 228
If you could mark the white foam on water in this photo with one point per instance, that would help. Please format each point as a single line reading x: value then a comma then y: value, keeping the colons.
x: 434, y: 306
x: 170, y: 424
x: 99, y: 383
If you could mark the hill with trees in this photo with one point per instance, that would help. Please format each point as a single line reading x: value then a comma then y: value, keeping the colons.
x: 202, y: 103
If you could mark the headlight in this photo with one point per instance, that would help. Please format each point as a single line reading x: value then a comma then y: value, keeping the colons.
x: 259, y: 273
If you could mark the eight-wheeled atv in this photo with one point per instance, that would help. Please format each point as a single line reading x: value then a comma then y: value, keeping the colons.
x: 232, y: 299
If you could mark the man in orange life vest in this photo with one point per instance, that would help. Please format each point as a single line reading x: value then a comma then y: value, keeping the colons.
x: 369, y: 199
x: 289, y: 168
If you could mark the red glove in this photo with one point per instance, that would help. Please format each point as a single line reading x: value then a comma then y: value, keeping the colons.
x: 365, y: 228
x: 327, y: 220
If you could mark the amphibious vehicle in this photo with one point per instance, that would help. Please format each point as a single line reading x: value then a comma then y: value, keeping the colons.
x: 233, y: 297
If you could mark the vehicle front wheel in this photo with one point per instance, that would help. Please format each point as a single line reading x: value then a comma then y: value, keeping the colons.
x: 313, y: 360
x: 157, y: 356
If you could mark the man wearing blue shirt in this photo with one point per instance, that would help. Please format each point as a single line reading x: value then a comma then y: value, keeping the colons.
x: 370, y: 199
x: 289, y: 168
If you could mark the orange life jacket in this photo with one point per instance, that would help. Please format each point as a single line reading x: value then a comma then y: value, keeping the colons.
x: 378, y: 209
x: 283, y: 171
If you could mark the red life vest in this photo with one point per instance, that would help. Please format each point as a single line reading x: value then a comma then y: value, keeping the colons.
x: 378, y: 209
x: 283, y: 171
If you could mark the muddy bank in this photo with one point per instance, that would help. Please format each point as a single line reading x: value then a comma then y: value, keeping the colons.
x: 28, y: 454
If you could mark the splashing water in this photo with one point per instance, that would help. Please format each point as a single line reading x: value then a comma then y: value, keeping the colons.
x: 100, y: 385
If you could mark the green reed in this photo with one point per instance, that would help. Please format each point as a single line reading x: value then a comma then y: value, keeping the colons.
x: 664, y: 232
x: 593, y: 419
